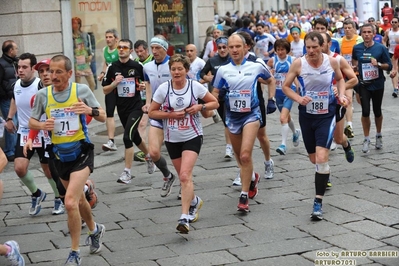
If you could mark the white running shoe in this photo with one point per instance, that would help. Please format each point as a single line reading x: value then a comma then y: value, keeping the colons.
x: 333, y: 146
x: 109, y: 146
x: 296, y: 138
x: 237, y: 181
x: 229, y: 152
x: 269, y: 170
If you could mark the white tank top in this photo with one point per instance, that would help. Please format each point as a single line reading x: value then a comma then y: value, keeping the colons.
x: 22, y: 97
x: 392, y: 43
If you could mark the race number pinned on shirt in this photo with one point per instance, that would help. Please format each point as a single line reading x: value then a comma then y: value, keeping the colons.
x: 319, y: 103
x: 66, y: 122
x: 279, y: 77
x: 127, y: 87
x: 369, y: 72
x: 179, y: 124
x: 348, y: 58
x: 240, y: 101
x: 24, y: 134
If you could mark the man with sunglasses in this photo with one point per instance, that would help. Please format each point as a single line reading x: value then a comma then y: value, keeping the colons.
x: 125, y: 75
x: 207, y: 74
x: 390, y: 40
x: 378, y: 29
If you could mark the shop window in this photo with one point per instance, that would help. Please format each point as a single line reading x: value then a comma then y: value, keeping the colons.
x: 170, y: 20
x: 94, y: 18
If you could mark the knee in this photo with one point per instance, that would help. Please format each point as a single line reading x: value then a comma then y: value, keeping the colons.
x: 20, y: 170
x: 185, y: 177
x: 71, y: 203
x: 154, y: 153
x: 245, y: 157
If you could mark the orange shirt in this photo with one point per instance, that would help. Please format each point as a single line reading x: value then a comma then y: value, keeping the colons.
x: 290, y: 38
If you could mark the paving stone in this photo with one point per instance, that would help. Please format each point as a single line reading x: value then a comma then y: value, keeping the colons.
x: 200, y: 259
x: 372, y: 229
x: 353, y: 241
x: 278, y: 248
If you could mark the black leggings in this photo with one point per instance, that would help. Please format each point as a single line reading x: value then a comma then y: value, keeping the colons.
x: 374, y: 95
x: 130, y: 124
x: 110, y: 103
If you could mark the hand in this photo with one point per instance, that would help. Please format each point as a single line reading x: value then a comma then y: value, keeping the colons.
x: 49, y: 124
x: 100, y: 77
x: 11, y: 128
x: 304, y: 100
x: 118, y: 79
x: 192, y: 110
x: 393, y: 74
x: 141, y: 86
x: 81, y: 108
x: 178, y: 114
x: 271, y: 106
x: 28, y: 145
x: 145, y: 108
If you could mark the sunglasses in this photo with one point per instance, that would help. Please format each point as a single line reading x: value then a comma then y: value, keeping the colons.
x: 222, y: 47
x: 394, y: 22
x: 123, y: 47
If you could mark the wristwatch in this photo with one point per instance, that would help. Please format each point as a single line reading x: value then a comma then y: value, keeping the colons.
x: 379, y: 64
x: 8, y: 119
x: 94, y: 111
x: 273, y: 98
x: 203, y: 107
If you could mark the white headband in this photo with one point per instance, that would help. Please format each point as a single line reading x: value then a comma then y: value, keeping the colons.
x: 160, y: 42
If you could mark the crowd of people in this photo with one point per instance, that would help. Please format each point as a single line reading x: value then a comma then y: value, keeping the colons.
x: 299, y: 57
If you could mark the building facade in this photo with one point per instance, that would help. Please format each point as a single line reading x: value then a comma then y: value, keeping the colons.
x: 44, y: 27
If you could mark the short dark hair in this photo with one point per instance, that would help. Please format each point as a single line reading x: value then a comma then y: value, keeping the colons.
x: 260, y: 24
x: 321, y: 21
x: 7, y: 46
x: 282, y: 43
x: 314, y: 35
x: 328, y: 37
x: 31, y: 57
x: 139, y: 43
x: 129, y: 41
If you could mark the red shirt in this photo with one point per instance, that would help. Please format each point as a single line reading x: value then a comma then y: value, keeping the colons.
x: 385, y: 27
x: 388, y: 11
x: 396, y: 52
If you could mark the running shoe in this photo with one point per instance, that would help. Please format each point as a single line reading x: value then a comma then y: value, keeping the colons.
x: 329, y: 184
x: 139, y: 156
x: 366, y: 146
x: 395, y: 93
x: 167, y: 185
x: 317, y: 214
x: 94, y: 239
x: 333, y: 146
x: 282, y: 150
x: 58, y: 207
x: 109, y: 146
x: 73, y: 259
x: 216, y: 117
x: 150, y: 165
x: 91, y: 195
x: 350, y: 155
x: 378, y: 142
x: 348, y: 131
x: 229, y: 152
x: 237, y: 181
x: 14, y: 256
x: 183, y: 227
x: 125, y: 178
x: 269, y: 170
x: 179, y: 194
x: 296, y: 138
x: 193, y: 211
x: 243, y: 203
x: 253, y: 188
x: 36, y: 203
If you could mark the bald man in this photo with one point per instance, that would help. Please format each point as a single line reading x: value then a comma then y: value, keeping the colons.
x: 196, y: 65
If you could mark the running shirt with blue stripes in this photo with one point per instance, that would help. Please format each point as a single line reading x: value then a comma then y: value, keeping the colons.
x: 156, y: 74
x: 317, y: 84
x: 281, y: 67
x: 237, y: 85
